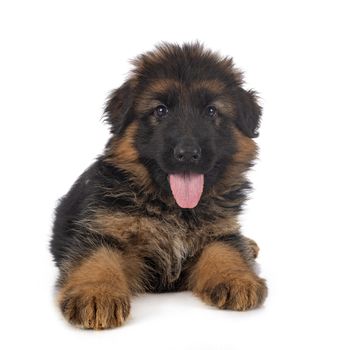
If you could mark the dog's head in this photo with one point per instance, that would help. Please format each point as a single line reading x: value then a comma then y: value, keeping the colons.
x: 181, y: 119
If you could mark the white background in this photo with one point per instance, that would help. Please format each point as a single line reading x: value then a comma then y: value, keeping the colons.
x: 60, y: 59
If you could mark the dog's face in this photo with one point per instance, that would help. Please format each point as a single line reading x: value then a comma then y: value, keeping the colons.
x: 183, y: 108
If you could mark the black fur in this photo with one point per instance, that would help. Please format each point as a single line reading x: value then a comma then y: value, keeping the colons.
x: 248, y: 112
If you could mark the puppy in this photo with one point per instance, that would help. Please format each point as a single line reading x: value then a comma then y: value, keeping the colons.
x: 158, y: 210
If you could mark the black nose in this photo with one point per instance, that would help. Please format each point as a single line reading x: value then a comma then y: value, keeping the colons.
x: 187, y: 151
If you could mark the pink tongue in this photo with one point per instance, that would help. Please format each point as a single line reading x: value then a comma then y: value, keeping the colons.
x: 187, y: 189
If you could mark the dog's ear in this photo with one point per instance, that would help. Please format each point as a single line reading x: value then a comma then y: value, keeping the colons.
x: 118, y: 109
x: 248, y: 112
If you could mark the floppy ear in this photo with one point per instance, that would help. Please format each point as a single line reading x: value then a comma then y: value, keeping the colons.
x: 248, y: 112
x: 118, y: 108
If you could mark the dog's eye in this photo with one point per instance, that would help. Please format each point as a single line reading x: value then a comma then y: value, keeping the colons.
x: 161, y: 111
x: 211, y: 111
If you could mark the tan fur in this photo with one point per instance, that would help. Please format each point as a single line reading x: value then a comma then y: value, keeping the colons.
x: 246, y: 148
x: 170, y: 241
x: 150, y: 237
x: 119, y: 225
x: 213, y: 85
x: 222, y: 278
x: 223, y: 104
x: 161, y: 86
x: 147, y: 100
x: 253, y: 246
x: 234, y: 175
x: 96, y: 293
x: 123, y: 154
x: 124, y: 226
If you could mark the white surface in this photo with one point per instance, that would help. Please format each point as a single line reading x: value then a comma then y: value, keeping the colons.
x: 59, y: 60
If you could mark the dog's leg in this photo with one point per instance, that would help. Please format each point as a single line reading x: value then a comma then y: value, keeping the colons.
x: 96, y: 293
x: 224, y: 278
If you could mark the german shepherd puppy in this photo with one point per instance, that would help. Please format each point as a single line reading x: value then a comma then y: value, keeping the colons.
x: 158, y: 210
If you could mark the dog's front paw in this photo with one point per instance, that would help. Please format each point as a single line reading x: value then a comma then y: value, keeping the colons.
x: 240, y: 293
x: 94, y: 307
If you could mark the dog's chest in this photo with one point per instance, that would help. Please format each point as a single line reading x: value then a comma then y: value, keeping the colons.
x: 165, y: 242
x: 168, y: 243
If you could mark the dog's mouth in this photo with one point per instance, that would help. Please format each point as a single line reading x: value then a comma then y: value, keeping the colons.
x: 186, y: 188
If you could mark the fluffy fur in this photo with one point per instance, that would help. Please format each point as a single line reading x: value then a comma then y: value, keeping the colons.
x: 119, y: 230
